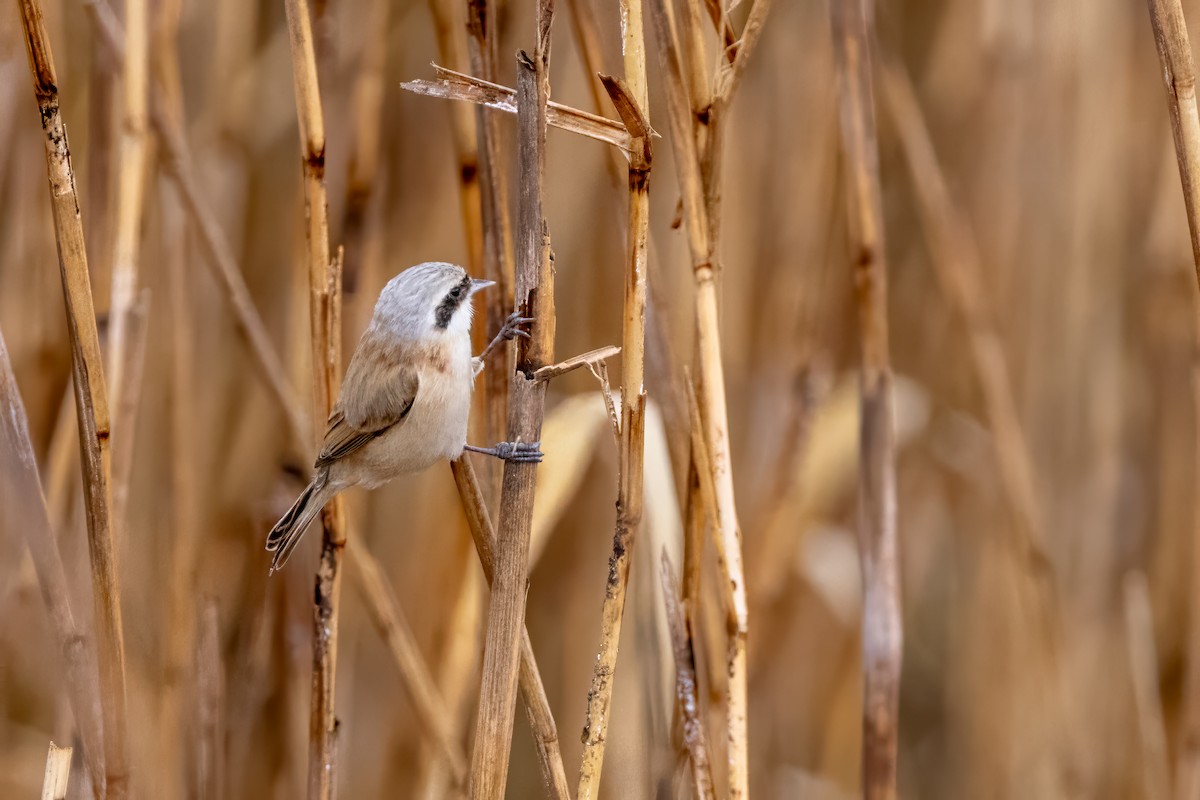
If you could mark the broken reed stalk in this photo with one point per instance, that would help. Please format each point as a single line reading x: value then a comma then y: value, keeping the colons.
x: 91, y: 401
x: 1179, y: 78
x: 452, y: 85
x: 882, y: 635
x: 24, y: 507
x: 124, y: 381
x: 631, y: 100
x: 58, y: 773
x: 324, y: 276
x: 395, y: 631
x: 687, y: 687
x: 534, y: 298
x: 697, y: 123
x: 537, y: 705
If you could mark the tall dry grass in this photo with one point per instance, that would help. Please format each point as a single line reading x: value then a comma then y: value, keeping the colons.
x: 687, y: 566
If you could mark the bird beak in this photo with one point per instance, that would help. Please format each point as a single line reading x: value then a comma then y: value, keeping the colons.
x: 477, y: 284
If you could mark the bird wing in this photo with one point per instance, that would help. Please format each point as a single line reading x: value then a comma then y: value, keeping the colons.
x: 378, y: 392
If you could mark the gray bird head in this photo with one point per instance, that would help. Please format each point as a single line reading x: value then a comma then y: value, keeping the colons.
x: 430, y: 298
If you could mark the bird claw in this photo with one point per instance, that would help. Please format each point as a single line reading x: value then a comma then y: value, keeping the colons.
x: 511, y: 328
x: 515, y: 452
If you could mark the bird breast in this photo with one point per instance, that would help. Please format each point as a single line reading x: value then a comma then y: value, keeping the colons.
x: 435, y: 428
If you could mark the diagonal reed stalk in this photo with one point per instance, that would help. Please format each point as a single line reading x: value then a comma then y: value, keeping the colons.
x: 959, y: 270
x: 1179, y: 78
x: 631, y: 100
x: 91, y: 401
x: 537, y: 705
x: 324, y: 276
x: 24, y: 506
x: 221, y: 259
x: 394, y: 629
x: 882, y: 635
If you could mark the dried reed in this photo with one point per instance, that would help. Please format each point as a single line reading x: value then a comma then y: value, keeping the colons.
x: 534, y: 294
x: 882, y: 634
x: 325, y: 288
x: 631, y: 99
x: 697, y: 113
x: 91, y: 400
x: 1179, y: 78
x: 537, y: 705
x: 21, y: 493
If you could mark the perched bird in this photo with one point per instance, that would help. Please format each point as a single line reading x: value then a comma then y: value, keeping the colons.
x: 406, y: 395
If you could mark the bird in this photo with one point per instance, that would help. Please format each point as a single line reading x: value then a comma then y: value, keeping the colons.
x: 406, y: 396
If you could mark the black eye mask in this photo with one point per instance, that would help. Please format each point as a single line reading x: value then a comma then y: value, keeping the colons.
x: 451, y: 302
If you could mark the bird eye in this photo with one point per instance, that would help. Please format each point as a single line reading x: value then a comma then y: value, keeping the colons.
x: 456, y: 292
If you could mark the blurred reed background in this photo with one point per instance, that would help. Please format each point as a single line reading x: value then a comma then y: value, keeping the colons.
x: 1042, y: 318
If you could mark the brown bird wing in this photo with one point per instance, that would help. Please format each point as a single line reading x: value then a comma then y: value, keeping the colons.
x: 378, y: 392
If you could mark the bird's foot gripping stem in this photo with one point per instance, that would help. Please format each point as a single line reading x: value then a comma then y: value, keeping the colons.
x: 510, y: 330
x: 517, y: 452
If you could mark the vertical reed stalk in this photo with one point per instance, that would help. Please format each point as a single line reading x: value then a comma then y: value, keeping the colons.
x: 631, y: 100
x: 91, y: 400
x: 131, y: 180
x: 324, y: 277
x: 881, y: 624
x: 697, y: 115
x: 1179, y: 78
x: 482, y: 46
x: 534, y: 298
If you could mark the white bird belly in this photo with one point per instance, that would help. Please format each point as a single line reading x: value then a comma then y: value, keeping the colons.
x: 435, y: 428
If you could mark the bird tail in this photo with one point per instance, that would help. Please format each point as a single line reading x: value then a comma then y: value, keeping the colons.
x: 286, y: 534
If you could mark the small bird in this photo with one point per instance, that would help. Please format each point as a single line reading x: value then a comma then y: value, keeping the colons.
x: 406, y: 396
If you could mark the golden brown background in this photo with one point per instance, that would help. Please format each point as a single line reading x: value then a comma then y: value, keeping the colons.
x: 1049, y: 122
